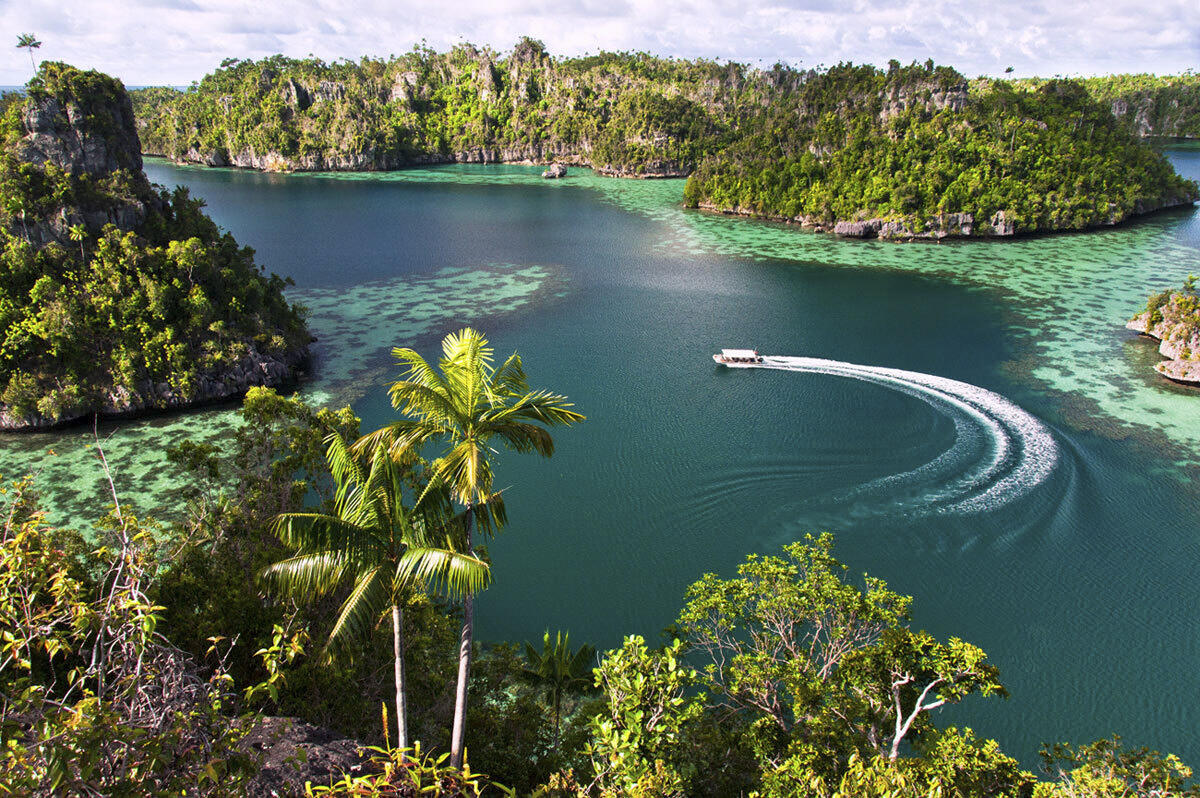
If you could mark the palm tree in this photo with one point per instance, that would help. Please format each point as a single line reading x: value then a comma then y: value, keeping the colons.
x: 464, y: 404
x: 558, y: 670
x: 78, y: 233
x: 27, y: 41
x: 384, y: 547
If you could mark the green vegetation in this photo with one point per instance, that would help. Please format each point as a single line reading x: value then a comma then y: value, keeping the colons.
x: 921, y: 148
x: 115, y: 296
x: 1153, y: 105
x: 1173, y: 317
x: 789, y: 678
x: 918, y: 147
x: 463, y: 405
x: 625, y: 112
x: 382, y: 547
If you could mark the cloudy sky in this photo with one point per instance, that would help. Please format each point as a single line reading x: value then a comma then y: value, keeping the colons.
x: 178, y: 41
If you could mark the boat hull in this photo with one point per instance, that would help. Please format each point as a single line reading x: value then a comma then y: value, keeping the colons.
x: 734, y: 364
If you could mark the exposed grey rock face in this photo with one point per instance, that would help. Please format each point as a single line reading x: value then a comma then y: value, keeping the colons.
x: 372, y: 160
x: 94, y: 141
x: 291, y: 752
x: 646, y: 170
x: 952, y: 224
x: 1002, y: 225
x: 329, y: 91
x: 929, y: 97
x: 1179, y: 341
x: 253, y: 370
x: 296, y: 95
x: 864, y: 229
x: 210, y: 158
x: 65, y: 136
x: 403, y: 89
x: 555, y: 171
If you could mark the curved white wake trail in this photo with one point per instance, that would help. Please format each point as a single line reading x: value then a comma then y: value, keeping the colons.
x: 1018, y: 452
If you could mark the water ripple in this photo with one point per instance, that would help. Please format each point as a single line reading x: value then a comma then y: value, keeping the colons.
x: 1000, y: 451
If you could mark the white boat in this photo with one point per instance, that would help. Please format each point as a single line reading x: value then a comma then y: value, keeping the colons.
x: 738, y: 358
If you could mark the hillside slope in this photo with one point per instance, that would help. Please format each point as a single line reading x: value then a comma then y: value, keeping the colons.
x: 116, y: 297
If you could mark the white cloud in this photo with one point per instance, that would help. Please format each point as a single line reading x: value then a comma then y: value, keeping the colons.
x: 177, y: 41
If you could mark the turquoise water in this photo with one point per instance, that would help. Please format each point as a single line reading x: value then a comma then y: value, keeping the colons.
x: 987, y: 437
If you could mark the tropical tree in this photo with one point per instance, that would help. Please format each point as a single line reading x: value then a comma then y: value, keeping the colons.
x: 559, y: 670
x: 384, y: 547
x: 464, y: 404
x: 78, y: 234
x: 27, y: 41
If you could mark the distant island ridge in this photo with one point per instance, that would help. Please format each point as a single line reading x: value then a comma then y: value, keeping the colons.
x: 902, y: 153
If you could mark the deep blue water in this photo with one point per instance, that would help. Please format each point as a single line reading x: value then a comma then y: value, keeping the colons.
x: 1081, y: 586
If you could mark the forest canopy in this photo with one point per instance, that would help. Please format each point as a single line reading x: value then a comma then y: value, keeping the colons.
x: 116, y: 295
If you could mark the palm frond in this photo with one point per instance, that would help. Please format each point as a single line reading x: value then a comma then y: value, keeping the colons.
x: 312, y: 533
x: 509, y: 379
x: 403, y: 439
x: 306, y: 575
x: 452, y: 573
x: 521, y: 436
x: 343, y: 465
x: 360, y: 611
x: 465, y: 470
x: 426, y: 403
x: 417, y: 370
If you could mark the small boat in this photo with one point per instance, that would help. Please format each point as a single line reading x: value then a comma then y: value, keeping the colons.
x: 738, y: 358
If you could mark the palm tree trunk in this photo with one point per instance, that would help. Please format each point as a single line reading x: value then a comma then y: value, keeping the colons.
x: 401, y: 688
x: 464, y: 674
x: 459, y: 732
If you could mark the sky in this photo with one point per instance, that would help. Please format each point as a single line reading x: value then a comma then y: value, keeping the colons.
x: 173, y: 42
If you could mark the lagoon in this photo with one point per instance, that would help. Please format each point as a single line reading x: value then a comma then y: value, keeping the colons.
x: 1078, y: 574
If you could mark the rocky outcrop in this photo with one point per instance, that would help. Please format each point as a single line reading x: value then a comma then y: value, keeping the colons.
x: 253, y: 370
x: 85, y: 136
x: 555, y: 171
x: 646, y: 170
x: 928, y: 97
x: 291, y: 753
x: 93, y: 138
x: 296, y: 95
x: 372, y: 160
x: 1002, y: 225
x: 78, y: 129
x: 1175, y: 323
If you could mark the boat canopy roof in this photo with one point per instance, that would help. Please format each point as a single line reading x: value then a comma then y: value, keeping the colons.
x: 745, y: 353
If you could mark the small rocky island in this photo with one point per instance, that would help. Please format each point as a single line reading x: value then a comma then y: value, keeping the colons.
x: 1173, y: 318
x: 117, y: 297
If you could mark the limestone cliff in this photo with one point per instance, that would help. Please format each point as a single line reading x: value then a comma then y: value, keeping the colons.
x: 1174, y: 319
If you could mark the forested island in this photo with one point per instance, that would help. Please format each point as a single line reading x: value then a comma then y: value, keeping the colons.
x: 116, y: 296
x: 1173, y: 318
x: 904, y: 153
x: 1165, y: 106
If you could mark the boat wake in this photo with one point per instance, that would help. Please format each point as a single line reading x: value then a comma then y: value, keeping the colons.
x: 1000, y: 451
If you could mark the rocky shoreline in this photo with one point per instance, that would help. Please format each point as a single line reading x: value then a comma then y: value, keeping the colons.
x: 952, y: 225
x: 1179, y: 342
x: 387, y: 162
x: 254, y: 370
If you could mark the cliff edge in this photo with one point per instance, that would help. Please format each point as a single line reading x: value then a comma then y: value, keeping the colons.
x: 1174, y: 319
